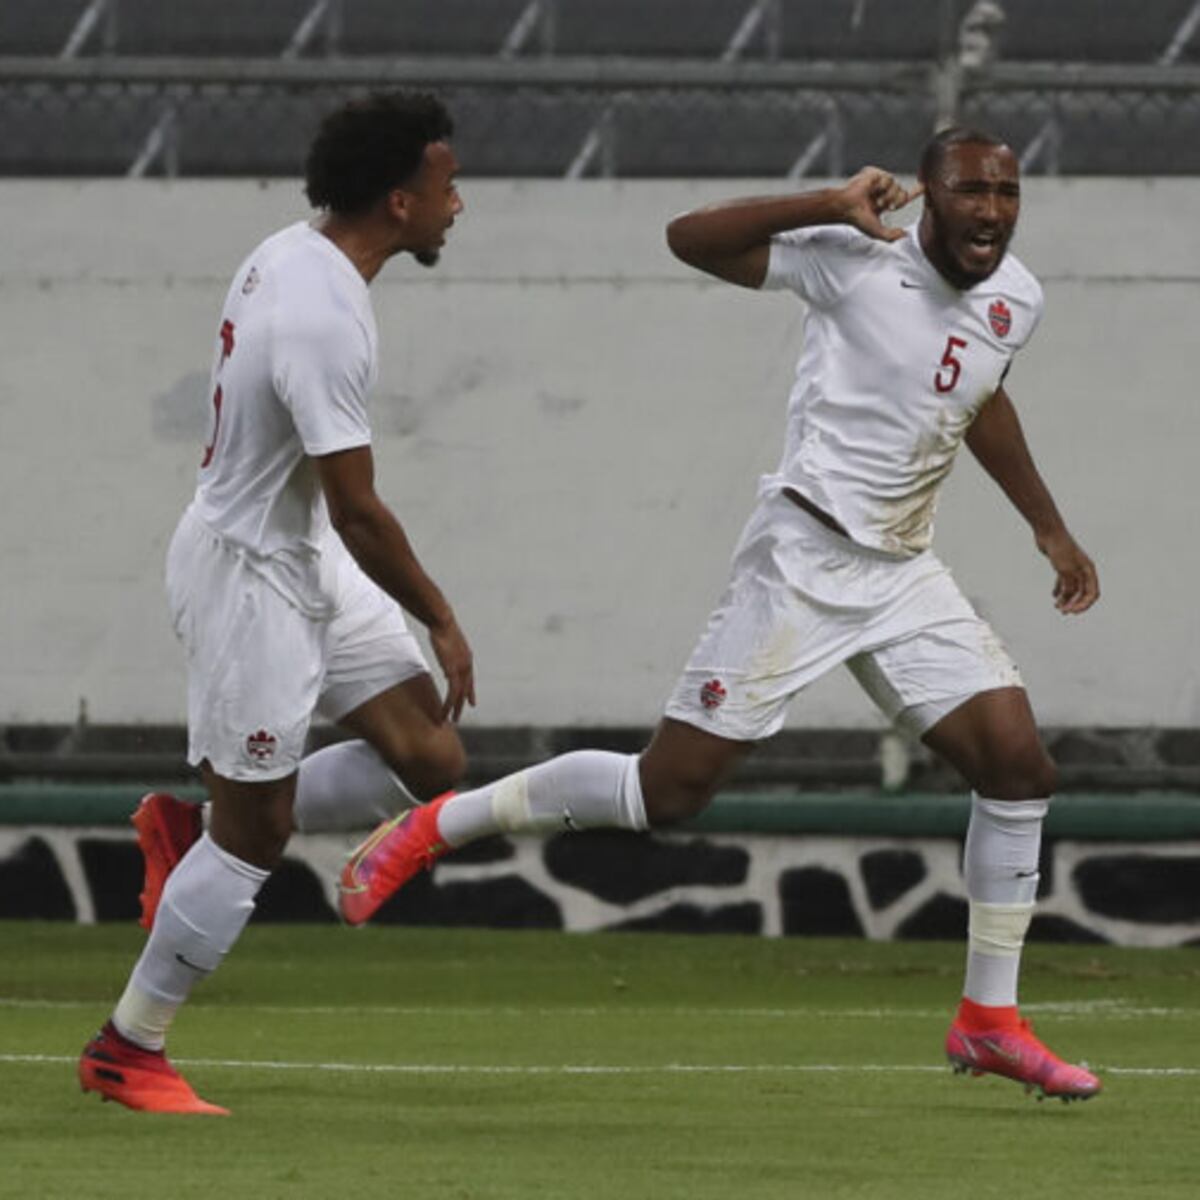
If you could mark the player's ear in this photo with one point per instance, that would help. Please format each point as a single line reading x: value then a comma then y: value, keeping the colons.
x: 396, y: 204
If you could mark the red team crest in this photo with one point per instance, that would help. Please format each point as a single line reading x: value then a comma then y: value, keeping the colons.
x: 261, y: 745
x: 712, y: 694
x: 1000, y: 317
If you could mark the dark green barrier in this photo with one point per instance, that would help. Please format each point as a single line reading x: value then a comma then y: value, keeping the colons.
x: 1141, y: 816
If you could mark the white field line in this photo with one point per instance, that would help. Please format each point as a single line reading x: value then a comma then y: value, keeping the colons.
x: 576, y: 1068
x: 1112, y: 1009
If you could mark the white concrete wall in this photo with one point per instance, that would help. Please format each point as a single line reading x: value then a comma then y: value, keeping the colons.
x: 571, y: 425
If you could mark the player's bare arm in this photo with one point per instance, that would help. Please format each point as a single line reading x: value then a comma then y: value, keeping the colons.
x: 380, y: 546
x: 733, y: 240
x: 997, y: 440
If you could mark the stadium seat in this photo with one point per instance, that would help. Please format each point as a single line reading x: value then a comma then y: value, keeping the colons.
x: 428, y: 26
x: 1074, y: 30
x: 37, y: 26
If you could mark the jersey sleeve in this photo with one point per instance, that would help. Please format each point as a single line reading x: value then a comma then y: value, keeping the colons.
x: 1032, y: 302
x: 322, y: 375
x: 817, y: 263
x: 1037, y: 305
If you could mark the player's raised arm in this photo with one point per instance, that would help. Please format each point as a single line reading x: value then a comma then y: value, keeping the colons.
x: 996, y: 439
x: 732, y: 240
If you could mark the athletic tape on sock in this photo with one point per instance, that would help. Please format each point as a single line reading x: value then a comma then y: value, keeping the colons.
x: 998, y: 929
x: 510, y: 803
x: 143, y: 1019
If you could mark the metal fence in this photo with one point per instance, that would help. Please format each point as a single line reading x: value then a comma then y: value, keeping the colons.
x: 135, y: 87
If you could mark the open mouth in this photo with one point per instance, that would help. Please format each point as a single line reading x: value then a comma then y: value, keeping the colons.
x: 983, y: 245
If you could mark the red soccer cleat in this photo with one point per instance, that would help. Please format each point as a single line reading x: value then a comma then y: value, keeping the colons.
x: 137, y: 1078
x: 1014, y: 1052
x: 388, y: 859
x: 166, y: 828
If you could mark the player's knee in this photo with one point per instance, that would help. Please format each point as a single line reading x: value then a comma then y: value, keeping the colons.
x: 252, y: 822
x: 273, y: 841
x: 259, y: 842
x: 447, y: 766
x: 1044, y: 777
x: 1027, y: 775
x: 681, y: 771
x: 670, y: 801
x: 435, y: 766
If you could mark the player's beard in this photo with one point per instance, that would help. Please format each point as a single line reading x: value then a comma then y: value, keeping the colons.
x: 967, y: 274
x: 427, y: 258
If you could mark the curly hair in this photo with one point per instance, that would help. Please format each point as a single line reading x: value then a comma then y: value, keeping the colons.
x: 371, y: 145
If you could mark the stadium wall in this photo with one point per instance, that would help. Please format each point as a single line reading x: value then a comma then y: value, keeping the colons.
x: 571, y: 425
x: 1112, y: 869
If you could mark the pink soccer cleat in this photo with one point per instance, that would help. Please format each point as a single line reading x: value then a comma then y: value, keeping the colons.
x: 166, y: 828
x: 1014, y: 1052
x: 388, y: 859
x: 137, y: 1078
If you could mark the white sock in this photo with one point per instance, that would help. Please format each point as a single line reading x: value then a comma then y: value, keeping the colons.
x: 347, y: 786
x: 205, y: 905
x: 588, y: 789
x: 1000, y: 868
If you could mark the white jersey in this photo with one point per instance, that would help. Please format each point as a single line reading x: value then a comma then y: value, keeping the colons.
x: 896, y: 364
x: 295, y: 358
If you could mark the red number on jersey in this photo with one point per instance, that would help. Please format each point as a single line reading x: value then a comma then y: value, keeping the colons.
x: 208, y: 450
x: 226, y: 336
x: 951, y: 364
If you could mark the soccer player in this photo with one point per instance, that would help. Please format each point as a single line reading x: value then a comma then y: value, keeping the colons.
x: 286, y: 576
x: 909, y: 340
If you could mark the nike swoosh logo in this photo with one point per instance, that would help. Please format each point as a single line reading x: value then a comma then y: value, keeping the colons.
x: 1000, y: 1052
x: 191, y: 965
x: 905, y: 284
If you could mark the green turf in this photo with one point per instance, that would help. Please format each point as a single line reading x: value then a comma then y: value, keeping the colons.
x: 603, y: 1066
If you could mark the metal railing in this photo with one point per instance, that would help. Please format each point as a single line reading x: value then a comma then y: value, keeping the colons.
x: 527, y: 109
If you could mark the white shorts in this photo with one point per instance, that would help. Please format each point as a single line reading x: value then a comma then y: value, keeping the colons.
x: 801, y: 600
x: 258, y: 666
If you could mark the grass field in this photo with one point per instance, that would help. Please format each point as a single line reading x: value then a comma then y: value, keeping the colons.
x: 472, y: 1065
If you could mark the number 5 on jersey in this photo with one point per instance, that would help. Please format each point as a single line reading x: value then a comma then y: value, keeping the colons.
x: 951, y: 367
x: 226, y: 336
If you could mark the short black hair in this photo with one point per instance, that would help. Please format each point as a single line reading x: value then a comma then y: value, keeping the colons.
x: 371, y: 145
x: 956, y: 135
